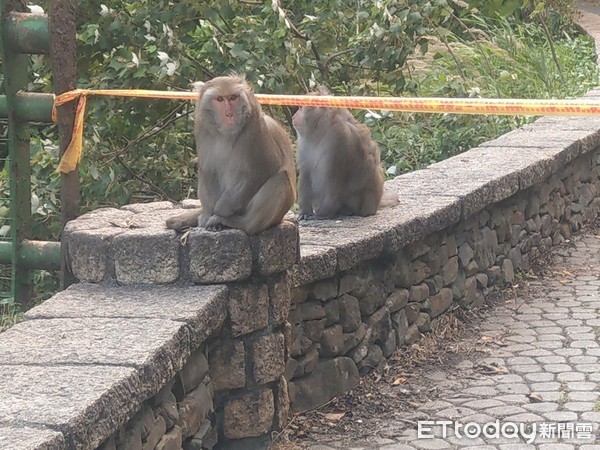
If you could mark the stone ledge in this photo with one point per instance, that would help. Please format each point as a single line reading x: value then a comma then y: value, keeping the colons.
x: 112, y: 244
x: 125, y: 343
x: 131, y: 246
x: 30, y: 438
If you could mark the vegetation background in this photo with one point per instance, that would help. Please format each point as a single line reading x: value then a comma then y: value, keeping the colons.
x: 141, y: 150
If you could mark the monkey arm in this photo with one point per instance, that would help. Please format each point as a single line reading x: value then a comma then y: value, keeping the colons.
x: 305, y: 196
x: 235, y: 199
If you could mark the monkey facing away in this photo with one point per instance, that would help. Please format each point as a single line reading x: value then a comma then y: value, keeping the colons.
x: 246, y: 172
x: 339, y: 165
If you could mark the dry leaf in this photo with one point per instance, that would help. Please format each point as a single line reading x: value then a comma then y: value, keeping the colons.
x: 399, y: 380
x: 334, y: 416
x: 535, y: 397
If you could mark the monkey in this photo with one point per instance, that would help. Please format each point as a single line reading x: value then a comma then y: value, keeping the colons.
x: 339, y: 165
x: 246, y: 171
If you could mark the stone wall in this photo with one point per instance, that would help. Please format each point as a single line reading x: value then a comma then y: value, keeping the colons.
x: 206, y: 340
x: 524, y: 199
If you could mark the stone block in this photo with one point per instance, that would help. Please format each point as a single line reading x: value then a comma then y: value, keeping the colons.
x: 313, y: 329
x: 419, y: 293
x: 449, y: 271
x: 54, y: 397
x: 248, y: 308
x: 423, y: 322
x: 397, y: 300
x: 249, y: 414
x: 193, y: 372
x: 332, y: 341
x: 276, y: 249
x: 282, y: 404
x: 306, y: 364
x: 89, y: 253
x: 329, y: 379
x: 146, y: 256
x: 465, y: 254
x: 325, y: 290
x: 390, y: 344
x: 316, y: 262
x: 165, y: 405
x: 350, y: 317
x: 373, y: 299
x: 280, y: 297
x: 403, y: 272
x: 218, y: 257
x: 351, y: 340
x: 157, y: 348
x: 14, y: 437
x: 227, y: 362
x: 440, y: 302
x: 350, y: 282
x: 202, y: 308
x: 420, y: 271
x: 194, y: 410
x: 332, y: 312
x: 379, y: 325
x: 268, y: 357
x: 171, y: 441
x: 155, y: 433
x: 400, y: 324
x: 412, y: 311
x: 311, y: 311
x: 412, y: 335
x: 371, y: 361
x: 508, y: 273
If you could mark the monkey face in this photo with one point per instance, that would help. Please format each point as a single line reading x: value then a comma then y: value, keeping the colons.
x: 227, y: 106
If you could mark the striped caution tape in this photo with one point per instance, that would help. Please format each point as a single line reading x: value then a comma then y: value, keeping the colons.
x: 511, y: 107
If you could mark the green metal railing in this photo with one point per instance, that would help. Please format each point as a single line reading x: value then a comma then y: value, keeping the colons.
x: 21, y: 34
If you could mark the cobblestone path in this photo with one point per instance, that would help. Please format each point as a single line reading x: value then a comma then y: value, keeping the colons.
x: 542, y: 373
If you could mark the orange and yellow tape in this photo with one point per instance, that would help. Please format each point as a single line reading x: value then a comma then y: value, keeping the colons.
x: 578, y: 107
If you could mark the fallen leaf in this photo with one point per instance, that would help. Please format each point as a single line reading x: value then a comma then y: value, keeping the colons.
x: 334, y: 416
x: 535, y: 397
x: 399, y: 380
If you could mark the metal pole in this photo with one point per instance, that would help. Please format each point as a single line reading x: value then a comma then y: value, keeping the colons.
x: 15, y: 72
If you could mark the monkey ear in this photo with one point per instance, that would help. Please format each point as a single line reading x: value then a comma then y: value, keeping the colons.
x: 323, y: 90
x: 197, y: 86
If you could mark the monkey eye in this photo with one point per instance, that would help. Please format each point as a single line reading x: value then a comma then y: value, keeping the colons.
x: 233, y: 97
x: 220, y: 98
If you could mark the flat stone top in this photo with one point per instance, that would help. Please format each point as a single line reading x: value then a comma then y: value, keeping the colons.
x: 83, y: 362
x: 30, y: 438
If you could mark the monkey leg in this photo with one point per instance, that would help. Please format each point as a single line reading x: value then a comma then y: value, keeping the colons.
x: 265, y: 209
x: 187, y: 219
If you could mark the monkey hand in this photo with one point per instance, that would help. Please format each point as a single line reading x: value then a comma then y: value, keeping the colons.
x: 308, y: 216
x: 214, y: 223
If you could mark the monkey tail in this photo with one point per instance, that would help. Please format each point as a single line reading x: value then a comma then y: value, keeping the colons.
x: 388, y: 199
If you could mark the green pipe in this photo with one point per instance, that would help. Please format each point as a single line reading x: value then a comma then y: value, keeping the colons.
x: 30, y: 107
x: 27, y: 33
x: 33, y: 254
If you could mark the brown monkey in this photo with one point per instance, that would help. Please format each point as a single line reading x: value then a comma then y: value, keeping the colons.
x: 339, y: 165
x: 246, y: 173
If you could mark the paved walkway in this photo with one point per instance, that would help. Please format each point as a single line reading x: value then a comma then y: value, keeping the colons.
x: 542, y: 373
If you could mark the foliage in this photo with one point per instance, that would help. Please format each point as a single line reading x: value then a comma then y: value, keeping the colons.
x: 140, y: 150
x: 510, y: 60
